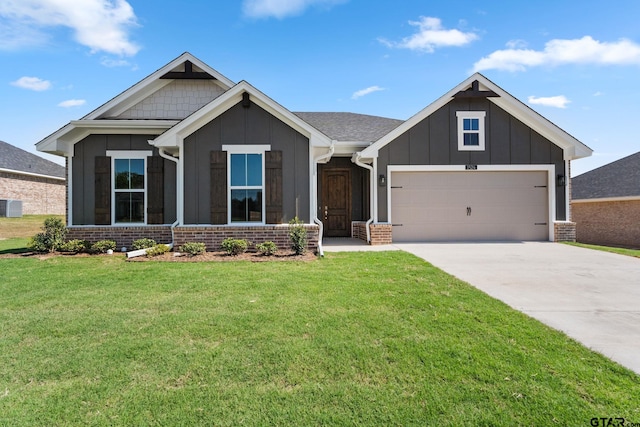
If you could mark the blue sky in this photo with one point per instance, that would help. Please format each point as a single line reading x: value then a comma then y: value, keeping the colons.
x: 575, y: 62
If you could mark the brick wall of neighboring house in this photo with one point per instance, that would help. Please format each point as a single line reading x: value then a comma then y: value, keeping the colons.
x: 610, y: 223
x: 39, y: 195
x: 212, y: 236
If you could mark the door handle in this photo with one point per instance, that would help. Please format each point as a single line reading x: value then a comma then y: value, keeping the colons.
x: 468, y: 210
x: 326, y: 212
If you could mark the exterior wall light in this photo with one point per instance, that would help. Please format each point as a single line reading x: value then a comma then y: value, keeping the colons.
x: 562, y: 180
x: 382, y: 180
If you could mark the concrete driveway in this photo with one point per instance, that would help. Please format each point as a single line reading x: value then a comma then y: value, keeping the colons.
x: 592, y: 296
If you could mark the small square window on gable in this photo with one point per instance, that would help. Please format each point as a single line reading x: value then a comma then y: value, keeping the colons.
x: 471, y: 130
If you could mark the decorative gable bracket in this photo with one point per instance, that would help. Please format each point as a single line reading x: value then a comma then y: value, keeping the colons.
x: 188, y: 73
x: 475, y: 92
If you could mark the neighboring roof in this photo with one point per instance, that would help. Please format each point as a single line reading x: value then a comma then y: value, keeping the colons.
x: 16, y: 159
x: 617, y: 179
x: 573, y: 149
x: 350, y: 126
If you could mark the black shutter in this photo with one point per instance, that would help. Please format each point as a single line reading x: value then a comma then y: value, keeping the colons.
x: 155, y: 192
x: 103, y: 190
x: 273, y: 186
x: 218, y: 187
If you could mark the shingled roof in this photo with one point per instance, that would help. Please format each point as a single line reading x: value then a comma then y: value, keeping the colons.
x: 617, y: 179
x: 350, y: 126
x: 16, y: 159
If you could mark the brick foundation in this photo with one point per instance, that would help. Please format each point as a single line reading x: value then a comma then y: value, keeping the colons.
x: 564, y: 231
x: 359, y: 230
x: 123, y: 236
x: 212, y: 236
x: 608, y: 223
x: 381, y: 234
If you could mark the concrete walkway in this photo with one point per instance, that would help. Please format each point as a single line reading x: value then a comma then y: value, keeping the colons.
x: 592, y: 296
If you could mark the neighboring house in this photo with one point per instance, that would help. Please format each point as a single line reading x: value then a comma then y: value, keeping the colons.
x: 606, y: 204
x: 188, y: 155
x: 38, y: 183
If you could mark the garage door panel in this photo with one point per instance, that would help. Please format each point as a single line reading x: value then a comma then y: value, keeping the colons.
x: 437, y: 206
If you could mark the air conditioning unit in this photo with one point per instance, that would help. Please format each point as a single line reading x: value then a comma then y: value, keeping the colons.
x: 11, y: 208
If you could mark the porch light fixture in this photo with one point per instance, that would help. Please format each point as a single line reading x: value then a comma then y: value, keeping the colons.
x: 562, y: 180
x: 382, y: 180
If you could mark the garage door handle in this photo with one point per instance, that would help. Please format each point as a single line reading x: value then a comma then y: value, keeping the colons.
x: 468, y: 211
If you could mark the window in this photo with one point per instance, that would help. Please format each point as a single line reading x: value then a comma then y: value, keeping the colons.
x: 246, y: 183
x: 129, y: 186
x: 471, y: 130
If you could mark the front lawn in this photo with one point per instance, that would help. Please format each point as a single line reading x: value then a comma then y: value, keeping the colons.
x: 620, y: 251
x: 354, y: 338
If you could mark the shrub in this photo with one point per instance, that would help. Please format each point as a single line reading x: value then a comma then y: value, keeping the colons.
x: 102, y: 246
x: 267, y: 248
x: 75, y: 246
x: 51, y: 238
x: 143, y: 244
x: 234, y: 246
x: 193, y: 248
x: 298, y: 236
x: 157, y: 250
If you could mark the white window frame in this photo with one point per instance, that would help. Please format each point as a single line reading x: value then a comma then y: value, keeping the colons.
x: 480, y: 115
x: 246, y: 149
x: 133, y: 155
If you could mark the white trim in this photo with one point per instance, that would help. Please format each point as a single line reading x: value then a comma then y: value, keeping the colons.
x: 128, y: 154
x: 246, y: 149
x: 37, y: 175
x: 480, y: 116
x: 69, y: 175
x: 567, y: 190
x: 572, y: 148
x: 549, y: 169
x: 607, y: 199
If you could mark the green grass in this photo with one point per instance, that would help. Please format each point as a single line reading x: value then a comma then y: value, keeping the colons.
x: 354, y: 338
x: 24, y: 227
x: 620, y: 251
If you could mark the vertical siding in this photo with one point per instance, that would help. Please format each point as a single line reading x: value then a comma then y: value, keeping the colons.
x: 252, y: 125
x: 434, y: 141
x: 83, y: 172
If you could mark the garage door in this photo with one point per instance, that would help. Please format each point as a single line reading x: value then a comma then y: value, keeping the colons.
x: 470, y: 205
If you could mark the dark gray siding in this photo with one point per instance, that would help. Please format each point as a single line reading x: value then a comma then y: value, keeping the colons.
x: 434, y: 141
x: 83, y: 173
x: 254, y: 126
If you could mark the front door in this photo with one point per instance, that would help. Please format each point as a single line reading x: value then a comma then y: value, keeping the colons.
x: 336, y: 202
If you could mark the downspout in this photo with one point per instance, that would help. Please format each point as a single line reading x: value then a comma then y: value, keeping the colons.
x: 315, y: 180
x: 164, y: 155
x: 356, y: 159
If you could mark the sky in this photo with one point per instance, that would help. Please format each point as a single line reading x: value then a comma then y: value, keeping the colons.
x: 575, y: 62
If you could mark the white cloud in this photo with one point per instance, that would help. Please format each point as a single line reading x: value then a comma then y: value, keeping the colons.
x: 430, y: 36
x: 72, y: 103
x: 560, y: 101
x: 32, y: 83
x: 112, y: 63
x: 282, y: 8
x: 101, y: 25
x: 367, y: 91
x: 558, y: 52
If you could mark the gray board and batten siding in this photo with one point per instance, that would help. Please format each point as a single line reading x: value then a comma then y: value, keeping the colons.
x: 434, y: 141
x: 245, y: 126
x: 89, y: 151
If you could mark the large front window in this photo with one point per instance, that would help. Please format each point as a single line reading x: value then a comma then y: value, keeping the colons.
x: 246, y: 187
x: 129, y: 185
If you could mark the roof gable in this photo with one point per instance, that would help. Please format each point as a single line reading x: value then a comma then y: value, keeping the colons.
x: 174, y: 136
x: 478, y: 85
x: 616, y: 179
x: 15, y: 159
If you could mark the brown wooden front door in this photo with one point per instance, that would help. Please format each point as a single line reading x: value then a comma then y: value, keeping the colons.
x: 336, y: 202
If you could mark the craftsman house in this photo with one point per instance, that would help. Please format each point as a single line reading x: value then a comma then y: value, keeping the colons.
x: 188, y: 155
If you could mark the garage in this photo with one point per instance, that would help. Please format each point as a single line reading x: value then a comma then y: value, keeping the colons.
x: 469, y: 205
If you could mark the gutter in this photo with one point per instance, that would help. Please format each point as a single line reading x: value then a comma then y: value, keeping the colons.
x: 316, y: 220
x: 356, y: 159
x: 167, y: 156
